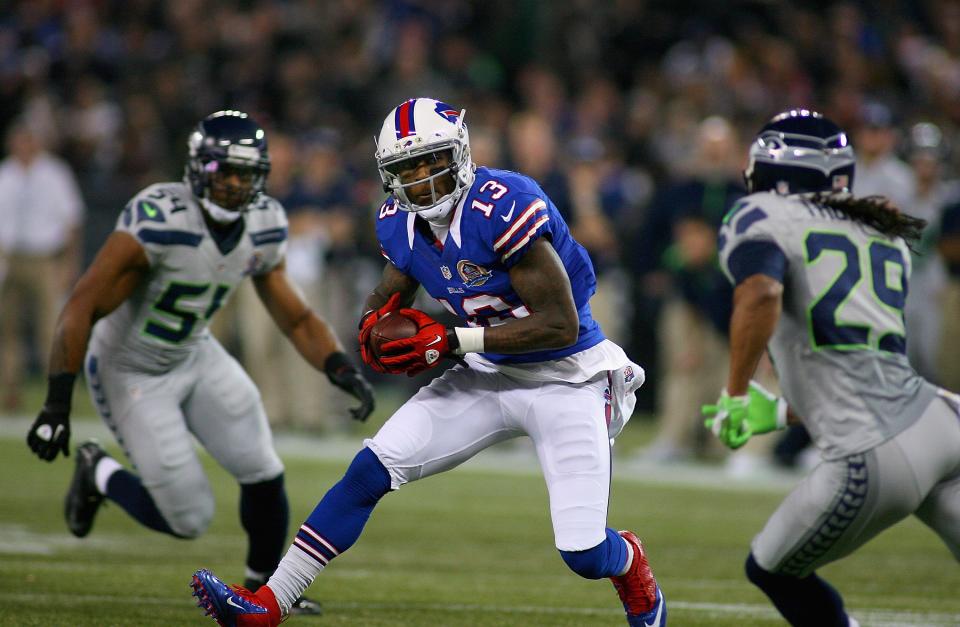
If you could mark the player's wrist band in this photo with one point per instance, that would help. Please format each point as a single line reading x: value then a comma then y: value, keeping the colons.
x: 335, y: 362
x: 469, y: 340
x: 781, y: 413
x: 60, y: 390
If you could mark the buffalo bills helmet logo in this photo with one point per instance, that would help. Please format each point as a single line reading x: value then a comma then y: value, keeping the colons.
x: 447, y: 112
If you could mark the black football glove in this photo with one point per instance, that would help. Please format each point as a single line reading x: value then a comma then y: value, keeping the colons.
x: 50, y: 432
x: 345, y: 376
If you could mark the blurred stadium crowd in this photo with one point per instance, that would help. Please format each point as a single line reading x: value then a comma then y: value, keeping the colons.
x: 633, y: 116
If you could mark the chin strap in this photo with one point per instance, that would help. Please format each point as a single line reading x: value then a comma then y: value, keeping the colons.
x: 218, y: 214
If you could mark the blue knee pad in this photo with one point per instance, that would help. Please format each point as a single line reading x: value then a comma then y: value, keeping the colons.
x: 607, y: 559
x: 367, y: 478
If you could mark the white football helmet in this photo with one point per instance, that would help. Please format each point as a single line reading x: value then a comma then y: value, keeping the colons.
x: 419, y: 127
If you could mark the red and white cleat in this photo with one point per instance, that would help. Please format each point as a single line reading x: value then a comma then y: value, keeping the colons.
x: 638, y: 589
x: 234, y: 606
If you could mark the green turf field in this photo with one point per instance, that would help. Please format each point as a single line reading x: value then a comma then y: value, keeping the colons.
x: 472, y: 547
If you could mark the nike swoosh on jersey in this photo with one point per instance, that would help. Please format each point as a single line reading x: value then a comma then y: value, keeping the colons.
x: 434, y: 340
x: 507, y: 217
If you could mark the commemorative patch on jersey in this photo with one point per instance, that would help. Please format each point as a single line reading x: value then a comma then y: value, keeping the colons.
x: 472, y: 274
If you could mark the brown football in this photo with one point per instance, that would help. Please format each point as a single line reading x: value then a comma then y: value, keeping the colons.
x: 393, y: 326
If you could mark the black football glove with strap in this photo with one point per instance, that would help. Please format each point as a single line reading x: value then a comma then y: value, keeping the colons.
x: 345, y: 376
x: 50, y: 432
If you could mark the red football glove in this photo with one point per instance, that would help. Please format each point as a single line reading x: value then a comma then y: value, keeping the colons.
x: 366, y: 324
x: 415, y: 354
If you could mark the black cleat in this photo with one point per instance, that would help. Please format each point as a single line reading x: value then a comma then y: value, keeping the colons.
x: 306, y: 607
x: 83, y: 499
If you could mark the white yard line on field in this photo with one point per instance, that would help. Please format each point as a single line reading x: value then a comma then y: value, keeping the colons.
x: 867, y: 617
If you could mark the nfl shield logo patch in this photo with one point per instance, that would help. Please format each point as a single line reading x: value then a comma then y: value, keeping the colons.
x: 445, y: 271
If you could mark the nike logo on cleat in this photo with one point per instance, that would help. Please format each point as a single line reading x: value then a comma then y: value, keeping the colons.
x: 230, y: 602
x: 656, y: 619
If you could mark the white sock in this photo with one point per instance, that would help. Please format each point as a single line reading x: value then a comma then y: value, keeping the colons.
x: 294, y: 575
x: 104, y: 470
x: 629, y: 563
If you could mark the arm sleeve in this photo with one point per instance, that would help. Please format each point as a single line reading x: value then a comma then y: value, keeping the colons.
x: 756, y: 257
x: 751, y: 242
x: 526, y: 221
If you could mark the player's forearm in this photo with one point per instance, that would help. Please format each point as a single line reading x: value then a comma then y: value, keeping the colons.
x: 534, y: 333
x: 756, y: 309
x: 314, y: 340
x: 391, y: 282
x: 70, y: 339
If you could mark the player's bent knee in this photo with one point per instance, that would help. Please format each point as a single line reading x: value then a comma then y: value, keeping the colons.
x: 604, y: 560
x: 759, y: 577
x: 367, y: 477
x: 584, y: 563
x: 190, y: 524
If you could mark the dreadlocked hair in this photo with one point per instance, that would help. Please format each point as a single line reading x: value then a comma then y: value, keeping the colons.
x: 877, y: 212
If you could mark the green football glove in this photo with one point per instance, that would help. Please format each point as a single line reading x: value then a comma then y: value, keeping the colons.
x: 735, y: 419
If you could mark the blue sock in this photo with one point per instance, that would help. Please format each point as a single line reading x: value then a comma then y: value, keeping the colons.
x: 607, y: 559
x: 806, y: 602
x: 125, y: 489
x: 336, y: 522
x: 265, y: 516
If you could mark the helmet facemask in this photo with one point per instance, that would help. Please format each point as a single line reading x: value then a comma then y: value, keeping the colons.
x: 229, y: 190
x: 441, y: 181
x: 442, y: 141
x: 227, y: 164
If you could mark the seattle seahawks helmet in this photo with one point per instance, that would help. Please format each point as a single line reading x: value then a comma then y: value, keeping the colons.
x: 421, y: 129
x: 800, y: 151
x: 227, y: 164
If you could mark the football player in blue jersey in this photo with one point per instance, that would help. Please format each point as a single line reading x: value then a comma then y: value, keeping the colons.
x: 155, y: 373
x: 821, y: 282
x: 491, y: 247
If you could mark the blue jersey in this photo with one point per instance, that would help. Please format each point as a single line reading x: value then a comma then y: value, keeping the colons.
x: 492, y: 228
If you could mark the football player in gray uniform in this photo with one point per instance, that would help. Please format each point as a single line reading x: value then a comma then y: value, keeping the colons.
x: 821, y: 280
x: 156, y: 374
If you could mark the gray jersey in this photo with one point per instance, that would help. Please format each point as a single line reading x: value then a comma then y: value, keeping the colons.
x: 167, y: 315
x: 840, y: 345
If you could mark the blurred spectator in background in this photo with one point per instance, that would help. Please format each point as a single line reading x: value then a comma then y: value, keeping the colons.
x: 879, y: 171
x: 677, y: 252
x: 927, y: 152
x: 949, y: 247
x: 595, y: 229
x: 325, y: 219
x: 118, y: 83
x: 533, y: 150
x: 40, y: 214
